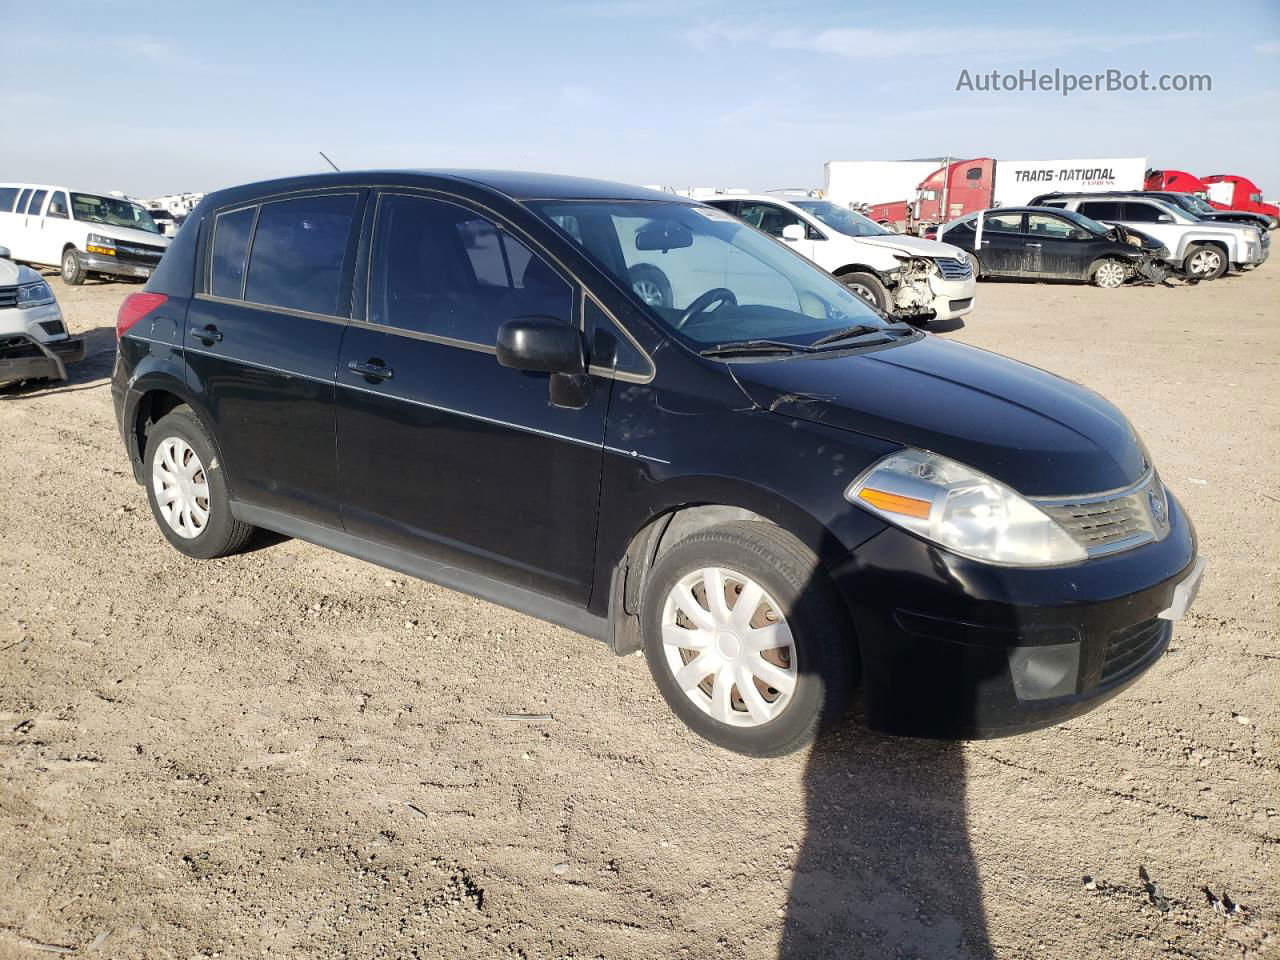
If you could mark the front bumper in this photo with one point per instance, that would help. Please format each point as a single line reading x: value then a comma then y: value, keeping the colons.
x: 954, y: 648
x: 34, y: 360
x: 98, y: 263
x: 952, y: 298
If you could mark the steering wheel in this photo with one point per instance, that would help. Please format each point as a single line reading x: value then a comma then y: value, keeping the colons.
x: 718, y: 295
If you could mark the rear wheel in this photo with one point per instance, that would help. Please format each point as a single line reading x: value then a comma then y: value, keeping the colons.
x: 72, y: 271
x: 1110, y: 273
x: 1205, y: 262
x: 747, y: 638
x: 868, y: 287
x: 187, y: 489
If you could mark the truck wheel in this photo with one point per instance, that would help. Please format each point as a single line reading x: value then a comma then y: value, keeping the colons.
x: 72, y: 271
x: 868, y: 287
x: 1205, y: 262
x: 187, y: 489
x: 747, y: 639
x: 1110, y: 273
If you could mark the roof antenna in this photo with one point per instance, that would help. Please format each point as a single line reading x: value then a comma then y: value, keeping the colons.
x: 329, y: 162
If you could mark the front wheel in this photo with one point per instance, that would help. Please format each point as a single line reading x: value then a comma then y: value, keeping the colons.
x: 1205, y: 262
x: 975, y: 265
x: 187, y: 489
x: 1110, y: 274
x: 869, y: 287
x: 747, y: 638
x: 72, y: 271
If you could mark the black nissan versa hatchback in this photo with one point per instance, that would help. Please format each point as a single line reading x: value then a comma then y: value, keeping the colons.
x: 772, y: 490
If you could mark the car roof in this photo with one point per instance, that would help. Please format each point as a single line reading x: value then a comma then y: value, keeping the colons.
x: 517, y: 185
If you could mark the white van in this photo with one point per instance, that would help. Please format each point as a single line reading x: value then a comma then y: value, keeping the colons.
x: 84, y: 234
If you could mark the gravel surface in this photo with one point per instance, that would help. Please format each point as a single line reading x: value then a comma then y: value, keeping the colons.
x: 291, y: 752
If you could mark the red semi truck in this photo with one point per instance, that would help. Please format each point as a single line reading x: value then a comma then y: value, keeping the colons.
x: 949, y: 192
x: 1223, y: 191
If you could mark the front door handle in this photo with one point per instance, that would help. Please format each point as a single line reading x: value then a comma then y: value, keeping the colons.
x: 208, y: 334
x: 1033, y: 244
x: 373, y: 368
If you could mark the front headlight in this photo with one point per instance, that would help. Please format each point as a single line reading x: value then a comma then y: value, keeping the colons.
x: 34, y: 294
x: 97, y: 243
x: 963, y: 510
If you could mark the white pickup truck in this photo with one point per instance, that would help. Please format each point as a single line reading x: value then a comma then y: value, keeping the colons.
x: 907, y: 277
x: 83, y: 234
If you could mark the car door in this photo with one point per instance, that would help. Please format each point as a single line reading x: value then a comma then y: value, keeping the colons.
x: 443, y: 452
x: 262, y: 342
x: 1064, y: 251
x: 55, y: 228
x: 1002, y: 248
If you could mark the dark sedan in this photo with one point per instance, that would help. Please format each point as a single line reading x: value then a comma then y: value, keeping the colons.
x: 1046, y: 243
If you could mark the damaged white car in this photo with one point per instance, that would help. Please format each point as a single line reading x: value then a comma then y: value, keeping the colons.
x: 906, y: 277
x: 34, y: 343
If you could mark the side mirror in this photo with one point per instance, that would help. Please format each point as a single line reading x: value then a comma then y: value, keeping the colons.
x: 5, y: 254
x: 1081, y: 235
x: 1164, y: 218
x: 541, y: 344
x: 793, y: 231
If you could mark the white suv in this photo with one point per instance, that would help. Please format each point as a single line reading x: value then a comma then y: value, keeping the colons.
x: 83, y: 234
x: 34, y: 343
x: 907, y: 277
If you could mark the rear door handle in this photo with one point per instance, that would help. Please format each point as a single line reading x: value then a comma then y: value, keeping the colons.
x: 1033, y: 244
x: 372, y: 368
x: 208, y: 334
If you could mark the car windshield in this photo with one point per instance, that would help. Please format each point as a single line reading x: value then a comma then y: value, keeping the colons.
x: 112, y: 211
x: 842, y: 219
x: 709, y: 277
x: 1196, y: 204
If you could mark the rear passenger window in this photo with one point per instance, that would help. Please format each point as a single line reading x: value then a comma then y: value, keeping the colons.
x: 1141, y: 213
x: 1101, y: 209
x: 1002, y: 223
x: 440, y: 269
x: 229, y: 249
x: 37, y: 201
x: 23, y: 197
x: 7, y: 196
x: 297, y: 254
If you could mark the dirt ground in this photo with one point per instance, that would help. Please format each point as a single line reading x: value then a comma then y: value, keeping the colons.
x: 293, y: 753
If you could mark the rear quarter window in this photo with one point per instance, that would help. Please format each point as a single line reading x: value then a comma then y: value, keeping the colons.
x: 297, y: 254
x: 228, y: 251
x: 7, y: 196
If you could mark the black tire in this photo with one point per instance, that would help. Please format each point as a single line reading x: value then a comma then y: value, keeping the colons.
x: 1206, y: 251
x: 974, y: 264
x: 1106, y: 271
x: 72, y: 272
x: 222, y: 534
x: 875, y: 292
x: 651, y: 285
x: 825, y: 648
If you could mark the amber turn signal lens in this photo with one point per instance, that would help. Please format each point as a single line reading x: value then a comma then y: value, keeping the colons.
x: 895, y: 503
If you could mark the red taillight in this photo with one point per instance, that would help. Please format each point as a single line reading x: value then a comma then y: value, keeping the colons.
x: 135, y: 307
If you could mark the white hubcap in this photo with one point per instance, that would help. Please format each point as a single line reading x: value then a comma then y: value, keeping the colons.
x: 728, y: 647
x: 181, y: 487
x: 649, y: 292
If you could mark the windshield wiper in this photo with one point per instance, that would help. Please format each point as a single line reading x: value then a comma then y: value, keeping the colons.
x: 857, y: 330
x: 753, y: 347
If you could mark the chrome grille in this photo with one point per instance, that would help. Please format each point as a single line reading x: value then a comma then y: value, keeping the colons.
x: 8, y: 297
x: 953, y: 269
x: 1114, y: 521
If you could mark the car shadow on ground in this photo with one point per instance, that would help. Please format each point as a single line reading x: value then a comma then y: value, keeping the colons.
x: 87, y: 374
x: 946, y: 326
x: 885, y: 868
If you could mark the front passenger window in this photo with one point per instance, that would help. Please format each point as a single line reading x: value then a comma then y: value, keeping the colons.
x: 440, y: 269
x: 767, y: 218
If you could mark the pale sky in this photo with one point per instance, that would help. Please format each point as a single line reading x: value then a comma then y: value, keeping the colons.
x: 153, y: 98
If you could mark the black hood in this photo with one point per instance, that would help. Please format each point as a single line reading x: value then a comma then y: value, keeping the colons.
x: 1040, y: 434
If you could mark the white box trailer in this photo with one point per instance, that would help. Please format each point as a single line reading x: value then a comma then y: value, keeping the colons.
x: 868, y: 182
x: 1017, y: 181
